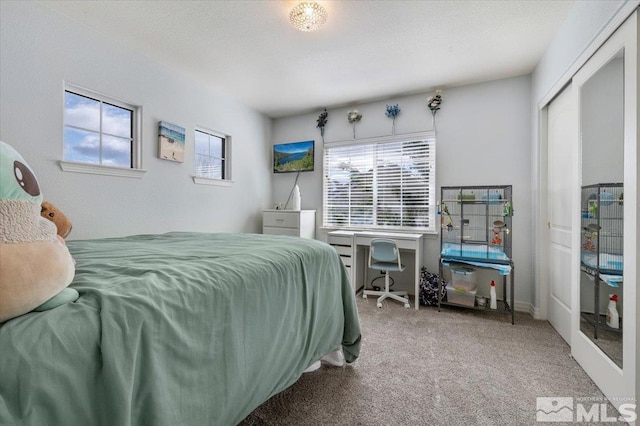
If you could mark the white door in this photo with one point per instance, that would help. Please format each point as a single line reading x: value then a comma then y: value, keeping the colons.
x: 562, y: 159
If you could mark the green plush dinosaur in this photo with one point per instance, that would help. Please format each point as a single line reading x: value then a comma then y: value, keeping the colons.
x: 35, y: 265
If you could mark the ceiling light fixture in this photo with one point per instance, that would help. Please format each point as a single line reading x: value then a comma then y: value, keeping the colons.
x: 308, y: 16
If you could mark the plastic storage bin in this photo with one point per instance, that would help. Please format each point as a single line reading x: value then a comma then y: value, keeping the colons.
x: 461, y: 297
x: 463, y: 278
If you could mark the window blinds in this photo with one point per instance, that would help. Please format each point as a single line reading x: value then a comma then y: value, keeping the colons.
x: 386, y: 183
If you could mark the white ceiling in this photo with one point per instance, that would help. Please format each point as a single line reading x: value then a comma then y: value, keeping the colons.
x: 367, y: 49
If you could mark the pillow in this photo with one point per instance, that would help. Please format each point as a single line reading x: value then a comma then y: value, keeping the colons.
x: 35, y: 264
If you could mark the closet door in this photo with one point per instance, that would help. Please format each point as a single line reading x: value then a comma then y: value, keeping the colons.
x: 609, y: 154
x: 562, y: 160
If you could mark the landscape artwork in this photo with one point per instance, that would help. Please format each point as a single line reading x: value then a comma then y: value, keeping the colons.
x: 171, y: 142
x: 293, y: 157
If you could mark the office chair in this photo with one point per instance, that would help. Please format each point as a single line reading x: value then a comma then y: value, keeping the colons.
x: 385, y: 256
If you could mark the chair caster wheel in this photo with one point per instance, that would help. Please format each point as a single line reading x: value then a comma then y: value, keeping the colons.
x: 379, y: 305
x: 406, y: 305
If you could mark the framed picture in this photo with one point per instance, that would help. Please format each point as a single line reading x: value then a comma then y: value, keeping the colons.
x: 293, y: 157
x: 171, y: 142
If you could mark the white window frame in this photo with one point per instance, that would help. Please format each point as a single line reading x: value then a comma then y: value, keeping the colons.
x: 226, y: 181
x: 135, y: 171
x: 430, y: 138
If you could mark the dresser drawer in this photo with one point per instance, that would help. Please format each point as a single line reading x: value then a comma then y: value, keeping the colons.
x: 271, y: 230
x: 281, y: 219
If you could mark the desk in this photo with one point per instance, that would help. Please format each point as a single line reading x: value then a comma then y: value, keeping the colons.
x: 349, y: 245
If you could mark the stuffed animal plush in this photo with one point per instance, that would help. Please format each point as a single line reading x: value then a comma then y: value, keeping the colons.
x: 52, y: 213
x: 35, y: 265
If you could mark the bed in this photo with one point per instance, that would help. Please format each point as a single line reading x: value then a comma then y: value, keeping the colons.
x: 177, y: 329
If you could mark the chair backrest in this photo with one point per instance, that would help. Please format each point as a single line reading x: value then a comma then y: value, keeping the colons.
x: 383, y: 250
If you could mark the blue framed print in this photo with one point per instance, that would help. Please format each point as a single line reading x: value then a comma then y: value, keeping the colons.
x: 293, y: 157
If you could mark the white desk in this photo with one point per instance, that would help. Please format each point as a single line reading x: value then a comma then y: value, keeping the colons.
x: 357, y: 262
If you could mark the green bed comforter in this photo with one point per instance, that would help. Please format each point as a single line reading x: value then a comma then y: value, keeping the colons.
x: 177, y: 329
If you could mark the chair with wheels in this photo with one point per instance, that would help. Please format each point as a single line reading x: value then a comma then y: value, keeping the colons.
x: 384, y: 256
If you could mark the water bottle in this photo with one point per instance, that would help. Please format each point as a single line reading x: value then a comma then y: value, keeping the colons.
x: 494, y: 301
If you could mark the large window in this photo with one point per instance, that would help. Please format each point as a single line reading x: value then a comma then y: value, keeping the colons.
x: 211, y: 150
x: 382, y: 183
x: 98, y: 130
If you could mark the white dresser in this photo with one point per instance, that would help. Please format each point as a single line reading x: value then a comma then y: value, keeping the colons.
x: 297, y: 223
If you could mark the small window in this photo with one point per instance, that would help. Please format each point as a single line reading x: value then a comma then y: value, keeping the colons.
x: 211, y: 150
x: 99, y: 130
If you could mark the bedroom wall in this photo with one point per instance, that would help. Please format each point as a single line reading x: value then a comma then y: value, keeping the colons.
x: 483, y: 133
x: 40, y: 49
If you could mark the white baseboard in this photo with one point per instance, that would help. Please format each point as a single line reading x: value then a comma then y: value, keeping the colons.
x: 530, y: 309
x: 523, y: 307
x: 537, y: 313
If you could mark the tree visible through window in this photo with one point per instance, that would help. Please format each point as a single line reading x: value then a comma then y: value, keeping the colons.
x: 98, y: 130
x: 388, y: 183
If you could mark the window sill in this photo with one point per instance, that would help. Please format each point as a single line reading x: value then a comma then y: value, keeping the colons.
x: 94, y: 169
x: 364, y: 229
x: 215, y: 182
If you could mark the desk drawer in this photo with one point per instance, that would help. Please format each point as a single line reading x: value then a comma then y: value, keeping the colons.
x: 343, y: 250
x: 346, y: 261
x: 340, y: 240
x: 402, y: 244
x: 281, y: 219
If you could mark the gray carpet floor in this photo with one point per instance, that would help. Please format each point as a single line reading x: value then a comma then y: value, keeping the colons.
x: 454, y: 367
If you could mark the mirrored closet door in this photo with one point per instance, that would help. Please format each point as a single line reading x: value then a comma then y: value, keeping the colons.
x: 605, y: 217
x: 602, y: 207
